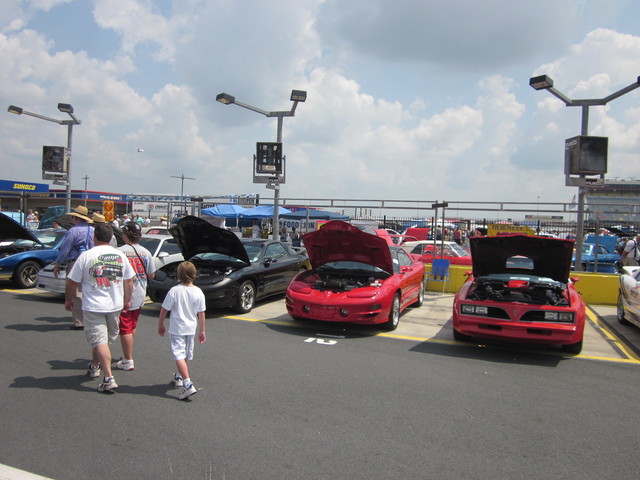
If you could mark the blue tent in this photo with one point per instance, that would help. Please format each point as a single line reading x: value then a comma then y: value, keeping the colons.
x: 225, y: 211
x: 314, y: 214
x: 263, y: 211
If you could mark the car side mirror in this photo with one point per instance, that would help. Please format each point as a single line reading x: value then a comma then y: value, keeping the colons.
x: 163, y: 255
x: 268, y: 261
x: 575, y: 279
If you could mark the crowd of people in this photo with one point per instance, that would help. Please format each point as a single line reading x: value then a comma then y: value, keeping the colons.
x: 106, y: 289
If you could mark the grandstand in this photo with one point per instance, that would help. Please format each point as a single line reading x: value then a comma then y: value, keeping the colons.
x: 615, y: 201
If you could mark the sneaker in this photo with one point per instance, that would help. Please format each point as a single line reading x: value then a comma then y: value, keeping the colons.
x: 107, y: 385
x: 187, y: 392
x: 125, y: 364
x: 94, y: 371
x: 177, y: 380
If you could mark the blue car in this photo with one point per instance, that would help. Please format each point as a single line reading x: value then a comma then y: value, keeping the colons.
x: 608, y: 262
x: 29, y: 251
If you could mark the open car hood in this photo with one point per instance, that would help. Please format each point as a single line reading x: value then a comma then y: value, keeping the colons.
x: 195, y: 235
x: 338, y: 241
x: 551, y: 256
x: 12, y: 230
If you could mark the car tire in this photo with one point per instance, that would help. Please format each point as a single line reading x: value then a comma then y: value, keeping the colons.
x: 574, y: 348
x: 423, y: 286
x: 620, y: 311
x: 246, y: 297
x: 26, y: 275
x: 460, y: 337
x: 394, y: 314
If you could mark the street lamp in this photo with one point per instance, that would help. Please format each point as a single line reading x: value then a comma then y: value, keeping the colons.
x: 86, y: 179
x: 183, y: 178
x: 544, y: 82
x: 64, y: 108
x: 296, y: 97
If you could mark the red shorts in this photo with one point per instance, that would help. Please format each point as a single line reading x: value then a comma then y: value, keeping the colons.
x: 129, y: 321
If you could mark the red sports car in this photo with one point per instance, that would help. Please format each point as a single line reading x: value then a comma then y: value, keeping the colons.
x: 355, y: 278
x: 520, y: 291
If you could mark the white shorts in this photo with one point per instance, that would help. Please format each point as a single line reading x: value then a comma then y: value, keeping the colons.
x: 100, y: 327
x: 182, y: 346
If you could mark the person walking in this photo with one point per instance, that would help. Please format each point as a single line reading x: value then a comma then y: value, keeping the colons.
x: 142, y: 262
x: 78, y: 239
x: 106, y: 278
x: 187, y: 306
x: 630, y: 254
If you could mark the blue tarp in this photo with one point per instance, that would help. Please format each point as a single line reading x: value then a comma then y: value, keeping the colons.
x: 263, y: 211
x: 224, y: 211
x: 314, y: 214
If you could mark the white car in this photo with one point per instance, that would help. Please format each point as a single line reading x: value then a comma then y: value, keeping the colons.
x: 629, y: 296
x: 164, y: 249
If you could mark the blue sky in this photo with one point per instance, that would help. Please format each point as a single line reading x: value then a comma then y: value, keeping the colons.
x: 407, y: 100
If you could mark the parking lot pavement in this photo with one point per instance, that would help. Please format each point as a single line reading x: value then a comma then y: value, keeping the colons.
x: 605, y: 338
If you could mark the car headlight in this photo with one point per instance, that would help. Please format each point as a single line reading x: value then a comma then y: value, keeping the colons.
x: 564, y: 317
x: 474, y: 309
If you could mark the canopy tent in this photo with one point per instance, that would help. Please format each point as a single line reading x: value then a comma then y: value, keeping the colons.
x: 314, y: 214
x: 224, y: 211
x: 263, y: 211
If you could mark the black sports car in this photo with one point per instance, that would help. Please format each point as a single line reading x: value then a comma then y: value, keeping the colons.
x: 232, y: 272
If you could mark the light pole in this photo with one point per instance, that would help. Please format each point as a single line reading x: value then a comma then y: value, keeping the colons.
x: 183, y: 178
x: 64, y: 108
x: 85, y: 178
x: 544, y: 82
x: 296, y: 96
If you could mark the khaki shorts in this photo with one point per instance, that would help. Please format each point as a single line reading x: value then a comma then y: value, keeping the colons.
x: 101, y: 327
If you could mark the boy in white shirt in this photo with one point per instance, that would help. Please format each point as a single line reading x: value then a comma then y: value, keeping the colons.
x: 187, y: 306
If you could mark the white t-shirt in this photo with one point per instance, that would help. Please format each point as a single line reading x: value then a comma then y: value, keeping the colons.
x: 184, y: 303
x: 143, y: 266
x: 101, y: 271
x: 630, y: 248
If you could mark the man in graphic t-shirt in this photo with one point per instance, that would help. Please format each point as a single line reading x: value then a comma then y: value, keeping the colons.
x: 106, y: 277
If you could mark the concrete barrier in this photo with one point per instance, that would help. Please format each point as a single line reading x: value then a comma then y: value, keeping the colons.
x: 595, y: 288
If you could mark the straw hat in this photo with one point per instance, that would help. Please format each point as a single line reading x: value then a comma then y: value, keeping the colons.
x: 81, y: 212
x: 98, y: 218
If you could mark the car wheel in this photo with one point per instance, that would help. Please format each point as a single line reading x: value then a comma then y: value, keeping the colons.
x: 423, y: 287
x: 573, y: 347
x: 620, y: 311
x: 246, y: 297
x: 460, y: 337
x: 394, y: 314
x: 26, y: 274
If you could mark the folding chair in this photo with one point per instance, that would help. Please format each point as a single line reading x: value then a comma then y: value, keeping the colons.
x: 440, y: 271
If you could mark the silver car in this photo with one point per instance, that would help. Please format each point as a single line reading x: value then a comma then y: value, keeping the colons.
x: 163, y: 248
x: 629, y: 296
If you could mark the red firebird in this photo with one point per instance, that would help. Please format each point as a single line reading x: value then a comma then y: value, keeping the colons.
x: 355, y: 278
x: 520, y: 291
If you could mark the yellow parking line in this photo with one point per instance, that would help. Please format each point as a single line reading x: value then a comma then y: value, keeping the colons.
x: 613, y: 338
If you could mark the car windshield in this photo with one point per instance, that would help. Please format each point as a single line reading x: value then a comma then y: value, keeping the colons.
x: 355, y: 267
x: 48, y: 238
x: 150, y: 244
x: 253, y: 251
x: 217, y: 257
x: 519, y: 263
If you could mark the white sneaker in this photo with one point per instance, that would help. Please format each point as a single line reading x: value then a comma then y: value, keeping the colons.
x: 108, y: 386
x: 93, y: 371
x: 125, y: 364
x: 177, y: 380
x: 187, y: 392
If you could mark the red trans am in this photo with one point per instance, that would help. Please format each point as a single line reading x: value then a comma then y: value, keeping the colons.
x: 356, y: 277
x: 520, y: 291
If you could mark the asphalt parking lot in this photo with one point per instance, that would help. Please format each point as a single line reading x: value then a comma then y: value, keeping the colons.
x: 605, y: 338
